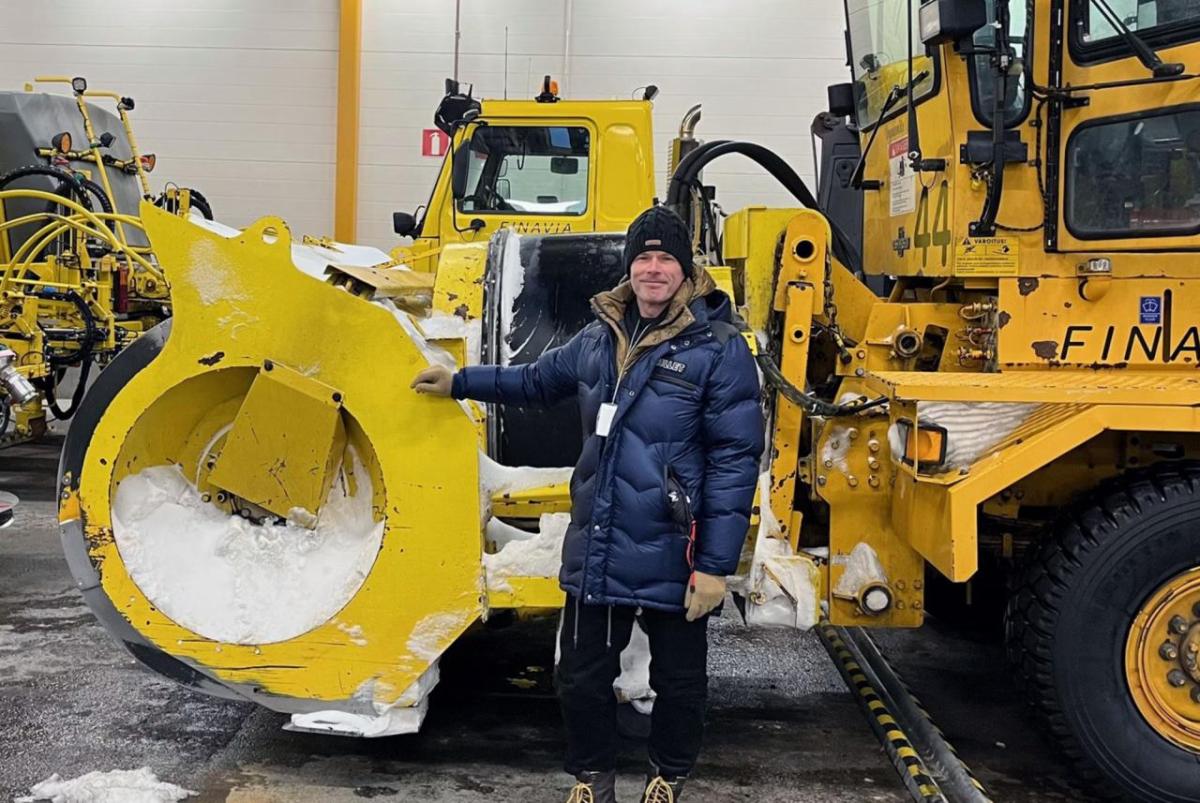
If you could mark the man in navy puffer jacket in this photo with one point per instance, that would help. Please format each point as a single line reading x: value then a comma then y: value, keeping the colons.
x: 660, y: 497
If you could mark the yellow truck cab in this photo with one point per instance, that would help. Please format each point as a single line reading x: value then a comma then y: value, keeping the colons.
x: 541, y: 166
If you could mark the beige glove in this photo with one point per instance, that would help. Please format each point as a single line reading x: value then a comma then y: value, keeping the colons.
x: 705, y: 593
x: 436, y: 380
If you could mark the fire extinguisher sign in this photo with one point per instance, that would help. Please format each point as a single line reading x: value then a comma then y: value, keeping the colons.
x: 434, y: 142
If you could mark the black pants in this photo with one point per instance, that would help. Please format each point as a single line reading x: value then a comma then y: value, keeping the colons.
x: 590, y: 661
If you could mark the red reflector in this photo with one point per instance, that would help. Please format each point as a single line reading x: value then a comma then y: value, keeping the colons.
x: 121, y: 290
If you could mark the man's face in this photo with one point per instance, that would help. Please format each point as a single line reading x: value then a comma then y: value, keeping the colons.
x: 655, y: 276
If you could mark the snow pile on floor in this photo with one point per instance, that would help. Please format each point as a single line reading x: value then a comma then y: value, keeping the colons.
x: 117, y: 786
x: 230, y: 580
x: 781, y: 588
x: 536, y: 555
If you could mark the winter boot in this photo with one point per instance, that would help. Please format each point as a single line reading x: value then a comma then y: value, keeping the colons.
x: 594, y: 787
x: 660, y: 789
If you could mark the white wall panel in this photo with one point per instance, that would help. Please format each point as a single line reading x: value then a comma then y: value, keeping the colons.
x: 760, y: 69
x: 237, y: 99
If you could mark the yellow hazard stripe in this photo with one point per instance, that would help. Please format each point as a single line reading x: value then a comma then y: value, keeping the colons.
x: 895, y: 736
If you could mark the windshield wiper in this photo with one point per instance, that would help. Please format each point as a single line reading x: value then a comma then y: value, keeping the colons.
x: 898, y: 92
x: 1145, y: 54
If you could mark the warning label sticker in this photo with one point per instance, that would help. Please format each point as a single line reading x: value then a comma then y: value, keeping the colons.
x: 901, y: 181
x: 986, y: 256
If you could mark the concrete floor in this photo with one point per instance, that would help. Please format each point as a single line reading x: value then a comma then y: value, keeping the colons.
x: 781, y: 725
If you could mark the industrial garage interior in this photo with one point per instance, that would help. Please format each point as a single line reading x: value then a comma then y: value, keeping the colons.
x: 864, y: 331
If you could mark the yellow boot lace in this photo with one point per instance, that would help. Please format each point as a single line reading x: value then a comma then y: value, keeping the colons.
x: 582, y: 793
x: 658, y: 791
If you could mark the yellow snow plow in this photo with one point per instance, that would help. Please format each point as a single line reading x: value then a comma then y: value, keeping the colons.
x: 254, y: 501
x: 259, y: 506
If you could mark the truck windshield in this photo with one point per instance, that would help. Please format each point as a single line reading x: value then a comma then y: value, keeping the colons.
x: 541, y: 170
x: 1140, y: 16
x: 879, y: 55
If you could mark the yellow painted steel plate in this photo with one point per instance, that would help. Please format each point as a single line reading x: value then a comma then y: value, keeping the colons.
x: 1163, y: 388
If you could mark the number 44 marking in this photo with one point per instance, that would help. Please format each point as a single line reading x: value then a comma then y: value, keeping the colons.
x: 940, y: 236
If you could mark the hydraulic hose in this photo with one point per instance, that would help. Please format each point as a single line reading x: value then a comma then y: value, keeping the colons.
x: 953, y: 775
x: 914, y: 773
x: 198, y: 202
x: 84, y: 356
x: 809, y: 403
x: 774, y: 164
x: 67, y: 181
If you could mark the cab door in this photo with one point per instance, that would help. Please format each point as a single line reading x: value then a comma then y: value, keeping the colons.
x: 1128, y: 155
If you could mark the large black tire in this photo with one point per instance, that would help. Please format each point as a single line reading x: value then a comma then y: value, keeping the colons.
x: 1069, y: 616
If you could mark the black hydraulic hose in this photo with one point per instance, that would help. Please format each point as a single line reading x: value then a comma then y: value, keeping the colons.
x: 913, y: 772
x: 66, y: 180
x: 63, y: 177
x: 774, y: 164
x: 809, y: 403
x: 952, y: 774
x: 84, y: 356
x: 201, y: 204
x: 690, y: 158
x: 198, y: 202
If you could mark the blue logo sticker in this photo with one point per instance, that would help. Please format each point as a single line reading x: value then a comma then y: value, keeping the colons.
x: 1151, y: 309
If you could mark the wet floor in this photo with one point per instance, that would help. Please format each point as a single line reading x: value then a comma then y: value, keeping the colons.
x: 781, y: 726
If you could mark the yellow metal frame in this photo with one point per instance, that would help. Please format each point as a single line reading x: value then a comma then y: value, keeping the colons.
x: 428, y: 572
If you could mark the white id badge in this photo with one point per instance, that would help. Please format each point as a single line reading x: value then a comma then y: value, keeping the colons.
x: 604, y: 419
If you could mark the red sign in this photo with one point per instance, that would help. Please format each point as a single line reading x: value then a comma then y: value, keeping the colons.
x: 434, y: 142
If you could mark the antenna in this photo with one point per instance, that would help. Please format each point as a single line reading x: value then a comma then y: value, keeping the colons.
x: 506, y: 62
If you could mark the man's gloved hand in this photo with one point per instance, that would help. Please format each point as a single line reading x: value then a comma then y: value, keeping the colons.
x: 706, y: 592
x: 436, y: 380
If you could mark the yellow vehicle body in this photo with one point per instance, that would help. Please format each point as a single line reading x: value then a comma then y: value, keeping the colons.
x: 1089, y: 339
x: 210, y: 404
x: 620, y: 180
x: 1012, y: 368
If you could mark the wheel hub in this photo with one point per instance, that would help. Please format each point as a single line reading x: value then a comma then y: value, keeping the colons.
x: 1162, y: 660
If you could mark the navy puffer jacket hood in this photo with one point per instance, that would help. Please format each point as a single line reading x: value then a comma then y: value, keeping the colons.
x: 685, y: 440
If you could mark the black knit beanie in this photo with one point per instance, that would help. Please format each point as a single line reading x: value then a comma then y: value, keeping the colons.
x: 659, y: 229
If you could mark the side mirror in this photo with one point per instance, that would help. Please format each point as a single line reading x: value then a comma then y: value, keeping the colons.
x: 459, y: 169
x: 564, y: 165
x: 504, y: 188
x: 404, y: 223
